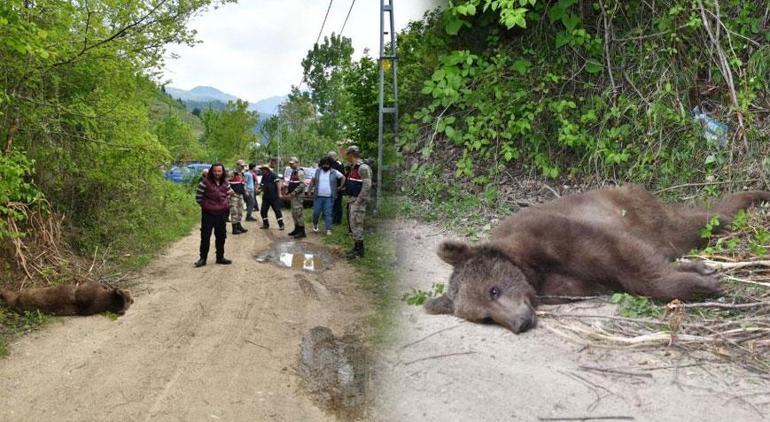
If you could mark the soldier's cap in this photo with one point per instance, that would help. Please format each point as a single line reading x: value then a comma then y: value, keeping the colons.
x: 293, y: 160
x: 240, y: 163
x: 353, y: 149
x: 265, y: 166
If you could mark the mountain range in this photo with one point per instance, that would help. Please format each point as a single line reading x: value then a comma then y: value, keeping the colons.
x: 206, y: 96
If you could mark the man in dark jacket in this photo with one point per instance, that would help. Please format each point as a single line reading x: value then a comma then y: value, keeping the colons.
x: 270, y: 186
x: 211, y: 195
x: 337, y: 208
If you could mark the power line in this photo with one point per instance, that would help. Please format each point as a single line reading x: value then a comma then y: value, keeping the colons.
x: 324, y: 23
x: 318, y: 38
x: 348, y: 16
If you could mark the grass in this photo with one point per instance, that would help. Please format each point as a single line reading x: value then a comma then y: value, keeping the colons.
x: 13, y: 324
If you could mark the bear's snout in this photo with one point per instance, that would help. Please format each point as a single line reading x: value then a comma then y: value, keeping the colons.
x: 523, y: 324
x: 517, y: 317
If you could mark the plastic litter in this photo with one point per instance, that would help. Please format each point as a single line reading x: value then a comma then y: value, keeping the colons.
x: 713, y: 130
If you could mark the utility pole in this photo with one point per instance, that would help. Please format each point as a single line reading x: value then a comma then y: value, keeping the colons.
x: 387, y: 59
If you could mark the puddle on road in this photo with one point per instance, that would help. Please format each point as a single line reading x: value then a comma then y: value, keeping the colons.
x: 298, y: 256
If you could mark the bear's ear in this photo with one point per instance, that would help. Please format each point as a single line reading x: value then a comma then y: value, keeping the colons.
x: 440, y: 305
x: 454, y: 252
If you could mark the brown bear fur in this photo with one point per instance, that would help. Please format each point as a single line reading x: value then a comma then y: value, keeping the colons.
x: 85, y: 299
x: 615, y: 239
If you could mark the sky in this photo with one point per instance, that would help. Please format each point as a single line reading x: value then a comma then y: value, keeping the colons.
x: 254, y: 49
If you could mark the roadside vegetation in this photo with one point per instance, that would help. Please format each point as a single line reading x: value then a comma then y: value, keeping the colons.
x: 86, y: 131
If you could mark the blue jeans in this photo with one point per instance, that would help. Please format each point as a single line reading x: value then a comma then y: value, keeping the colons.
x: 325, y: 204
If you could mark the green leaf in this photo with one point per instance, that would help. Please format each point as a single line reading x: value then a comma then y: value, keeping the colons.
x: 454, y: 24
x: 593, y: 67
x: 570, y: 21
x: 521, y: 66
x: 562, y: 39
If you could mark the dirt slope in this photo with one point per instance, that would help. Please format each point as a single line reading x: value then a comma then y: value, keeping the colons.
x: 446, y: 369
x: 216, y: 343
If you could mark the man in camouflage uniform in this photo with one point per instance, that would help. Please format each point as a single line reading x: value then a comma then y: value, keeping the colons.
x: 235, y: 202
x: 357, y: 186
x: 296, y: 187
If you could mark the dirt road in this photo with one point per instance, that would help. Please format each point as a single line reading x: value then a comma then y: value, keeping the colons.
x: 215, y: 343
x: 445, y: 369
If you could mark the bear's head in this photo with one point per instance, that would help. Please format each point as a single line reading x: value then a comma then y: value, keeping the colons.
x: 121, y: 301
x: 486, y: 287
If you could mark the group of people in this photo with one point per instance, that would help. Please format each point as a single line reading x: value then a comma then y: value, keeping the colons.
x: 222, y: 198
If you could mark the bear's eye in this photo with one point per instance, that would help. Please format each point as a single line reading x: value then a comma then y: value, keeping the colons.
x: 494, y: 293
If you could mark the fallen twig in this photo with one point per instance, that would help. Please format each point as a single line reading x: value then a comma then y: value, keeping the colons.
x: 588, y: 418
x: 614, y: 371
x: 430, y: 335
x: 720, y: 305
x: 438, y: 357
x: 259, y: 345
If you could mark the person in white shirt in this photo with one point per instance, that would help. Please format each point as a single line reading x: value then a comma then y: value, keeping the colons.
x: 325, y: 186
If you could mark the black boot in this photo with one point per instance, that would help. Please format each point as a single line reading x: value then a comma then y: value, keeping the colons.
x: 200, y: 262
x: 222, y: 260
x: 265, y: 224
x: 250, y: 218
x: 357, y: 251
x: 300, y: 233
x: 236, y: 229
x: 293, y: 232
x: 240, y: 226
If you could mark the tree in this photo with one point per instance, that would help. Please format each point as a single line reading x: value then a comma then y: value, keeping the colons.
x: 325, y: 67
x: 229, y: 133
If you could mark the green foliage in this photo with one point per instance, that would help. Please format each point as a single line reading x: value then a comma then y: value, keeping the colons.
x: 708, y: 230
x: 15, y: 174
x: 760, y: 242
x: 84, y: 124
x: 419, y: 296
x: 12, y: 323
x: 177, y: 130
x: 111, y: 316
x: 556, y: 98
x: 228, y: 134
x: 632, y: 306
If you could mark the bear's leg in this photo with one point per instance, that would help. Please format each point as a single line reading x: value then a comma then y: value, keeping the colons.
x: 641, y: 269
x: 731, y: 204
x: 684, y: 286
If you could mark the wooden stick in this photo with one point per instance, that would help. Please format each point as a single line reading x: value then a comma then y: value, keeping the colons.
x: 588, y: 418
x: 614, y: 371
x: 719, y: 305
x: 735, y: 265
x: 430, y: 335
x: 685, y: 185
x: 438, y: 357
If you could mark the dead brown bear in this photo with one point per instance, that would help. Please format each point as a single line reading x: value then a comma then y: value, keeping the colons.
x: 616, y: 239
x: 85, y: 299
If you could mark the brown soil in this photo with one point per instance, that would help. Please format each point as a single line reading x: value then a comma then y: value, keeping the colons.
x: 214, y: 343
